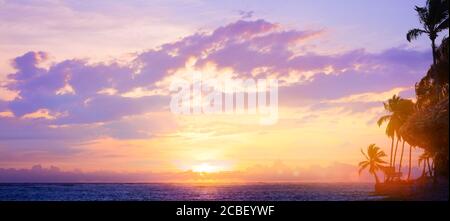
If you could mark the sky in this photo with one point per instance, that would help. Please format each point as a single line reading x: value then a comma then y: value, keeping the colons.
x: 84, y: 87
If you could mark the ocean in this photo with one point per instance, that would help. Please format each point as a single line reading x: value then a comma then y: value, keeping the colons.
x: 187, y: 192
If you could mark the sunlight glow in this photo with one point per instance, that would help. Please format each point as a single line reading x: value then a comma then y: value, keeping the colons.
x: 205, y: 168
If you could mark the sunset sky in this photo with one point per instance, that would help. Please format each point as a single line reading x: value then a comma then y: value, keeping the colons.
x: 84, y: 85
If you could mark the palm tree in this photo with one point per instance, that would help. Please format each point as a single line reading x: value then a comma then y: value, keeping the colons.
x: 373, y: 161
x: 425, y: 158
x: 430, y: 168
x: 399, y: 110
x: 404, y: 110
x: 393, y: 121
x: 434, y: 19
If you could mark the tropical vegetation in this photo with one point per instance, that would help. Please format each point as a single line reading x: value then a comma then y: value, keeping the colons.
x: 422, y: 124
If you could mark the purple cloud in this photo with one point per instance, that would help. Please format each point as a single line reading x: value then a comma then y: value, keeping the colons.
x: 389, y: 69
x: 70, y: 89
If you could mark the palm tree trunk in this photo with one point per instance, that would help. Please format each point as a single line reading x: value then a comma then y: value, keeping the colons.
x: 423, y: 170
x: 395, y: 153
x: 429, y: 167
x: 433, y: 165
x: 401, y: 157
x: 435, y: 77
x: 433, y: 47
x: 392, y: 149
x: 409, y: 166
x: 376, y: 177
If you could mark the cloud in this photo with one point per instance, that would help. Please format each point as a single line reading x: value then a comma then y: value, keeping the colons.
x: 368, y: 96
x: 71, y: 91
x: 245, y: 14
x: 81, y: 100
x: 243, y: 46
x: 41, y: 89
x: 3, y: 106
x: 363, y: 83
x: 12, y: 128
x: 363, y: 102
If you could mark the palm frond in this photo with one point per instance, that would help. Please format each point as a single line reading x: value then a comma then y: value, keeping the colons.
x: 413, y: 34
x: 383, y: 119
x: 390, y: 128
x: 362, y: 162
x: 364, y: 154
x: 378, y: 160
x: 442, y: 26
x: 381, y: 154
x: 423, y: 15
x: 362, y: 168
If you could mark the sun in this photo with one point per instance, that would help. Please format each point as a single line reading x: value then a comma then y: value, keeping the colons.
x: 205, y: 168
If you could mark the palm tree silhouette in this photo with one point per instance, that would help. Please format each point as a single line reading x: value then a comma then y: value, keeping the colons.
x: 404, y: 110
x: 392, y: 119
x: 434, y: 18
x: 425, y: 158
x: 373, y: 161
x: 399, y: 110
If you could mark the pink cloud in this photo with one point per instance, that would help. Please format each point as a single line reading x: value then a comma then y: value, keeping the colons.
x: 71, y: 87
